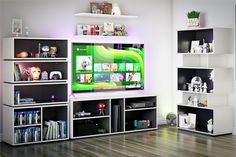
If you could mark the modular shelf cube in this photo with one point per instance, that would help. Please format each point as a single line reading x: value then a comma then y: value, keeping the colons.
x: 116, y: 119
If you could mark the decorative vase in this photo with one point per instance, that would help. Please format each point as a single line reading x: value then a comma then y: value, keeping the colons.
x: 193, y: 22
x: 209, y: 127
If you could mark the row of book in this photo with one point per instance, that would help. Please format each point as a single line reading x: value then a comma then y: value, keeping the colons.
x: 55, y: 130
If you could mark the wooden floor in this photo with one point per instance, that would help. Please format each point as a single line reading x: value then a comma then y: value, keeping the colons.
x: 165, y: 142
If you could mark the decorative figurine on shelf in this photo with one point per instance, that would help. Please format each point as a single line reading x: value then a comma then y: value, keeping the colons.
x: 35, y: 73
x: 22, y: 54
x: 53, y: 51
x: 44, y: 75
x: 196, y: 83
x: 204, y: 87
x: 116, y: 9
x: 195, y: 101
x: 189, y: 100
x: 119, y: 30
x: 53, y: 98
x: 101, y: 108
x: 45, y: 51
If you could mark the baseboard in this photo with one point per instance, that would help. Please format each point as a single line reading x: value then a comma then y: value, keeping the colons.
x: 161, y: 122
x: 234, y: 131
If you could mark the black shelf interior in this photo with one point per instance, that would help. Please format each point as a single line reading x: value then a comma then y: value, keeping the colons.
x: 31, y: 46
x: 55, y: 114
x: 185, y: 76
x: 90, y: 127
x: 146, y: 101
x: 139, y: 115
x: 44, y: 66
x: 90, y: 107
x: 187, y: 36
x: 202, y: 116
x: 44, y: 93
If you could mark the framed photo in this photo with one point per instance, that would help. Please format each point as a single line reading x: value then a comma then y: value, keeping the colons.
x: 194, y: 45
x: 16, y: 26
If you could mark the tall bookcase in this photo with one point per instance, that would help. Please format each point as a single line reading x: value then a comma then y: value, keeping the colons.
x: 205, y: 80
x: 35, y: 97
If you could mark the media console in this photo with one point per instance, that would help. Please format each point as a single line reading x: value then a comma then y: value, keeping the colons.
x: 107, y: 115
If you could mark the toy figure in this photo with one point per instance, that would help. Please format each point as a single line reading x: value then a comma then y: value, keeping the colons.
x: 53, y: 51
x: 45, y: 50
x: 101, y: 108
x: 35, y: 73
x: 44, y: 75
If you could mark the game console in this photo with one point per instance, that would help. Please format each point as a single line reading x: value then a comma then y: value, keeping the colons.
x: 81, y: 114
x: 142, y: 124
x: 142, y: 104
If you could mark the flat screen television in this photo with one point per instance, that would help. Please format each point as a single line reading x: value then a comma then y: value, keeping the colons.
x: 105, y: 66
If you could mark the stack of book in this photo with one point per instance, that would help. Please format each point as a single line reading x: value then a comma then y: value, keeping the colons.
x: 55, y: 130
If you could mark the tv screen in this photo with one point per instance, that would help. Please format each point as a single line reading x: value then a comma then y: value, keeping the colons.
x: 102, y: 67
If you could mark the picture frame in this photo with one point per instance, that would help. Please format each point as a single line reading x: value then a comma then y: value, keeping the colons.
x: 17, y: 26
x: 194, y: 45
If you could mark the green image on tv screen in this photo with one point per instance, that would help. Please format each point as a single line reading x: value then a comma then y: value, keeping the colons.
x: 102, y: 67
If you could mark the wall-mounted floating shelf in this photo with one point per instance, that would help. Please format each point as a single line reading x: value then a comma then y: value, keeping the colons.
x: 105, y: 16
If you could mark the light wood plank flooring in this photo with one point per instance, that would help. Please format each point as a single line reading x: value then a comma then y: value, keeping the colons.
x: 165, y: 142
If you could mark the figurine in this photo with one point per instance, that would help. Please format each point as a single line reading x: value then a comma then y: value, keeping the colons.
x: 45, y: 50
x: 53, y: 51
x: 44, y: 75
x: 195, y: 101
x: 101, y: 108
x: 116, y: 9
x: 35, y: 73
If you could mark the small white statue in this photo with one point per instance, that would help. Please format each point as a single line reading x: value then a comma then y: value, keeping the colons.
x: 116, y: 9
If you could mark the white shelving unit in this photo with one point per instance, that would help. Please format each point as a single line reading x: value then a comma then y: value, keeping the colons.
x: 50, y: 97
x: 90, y: 15
x: 211, y: 68
x: 100, y: 17
x: 9, y: 126
x: 80, y: 127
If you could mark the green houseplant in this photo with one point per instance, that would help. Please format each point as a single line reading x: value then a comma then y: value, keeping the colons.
x: 193, y: 18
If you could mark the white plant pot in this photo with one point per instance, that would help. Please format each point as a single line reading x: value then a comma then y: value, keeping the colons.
x: 210, y: 127
x: 193, y: 22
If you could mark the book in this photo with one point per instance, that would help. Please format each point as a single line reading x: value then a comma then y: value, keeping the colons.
x: 17, y: 74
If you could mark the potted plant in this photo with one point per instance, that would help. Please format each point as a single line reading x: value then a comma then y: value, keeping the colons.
x: 193, y: 19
